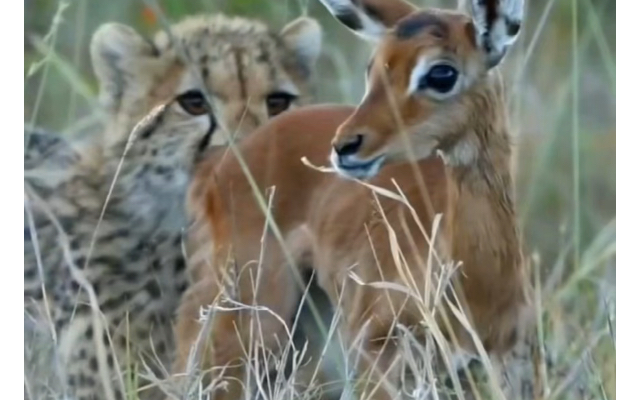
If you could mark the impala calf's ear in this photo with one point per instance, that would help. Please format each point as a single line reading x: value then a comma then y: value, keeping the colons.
x: 497, y: 24
x: 369, y: 19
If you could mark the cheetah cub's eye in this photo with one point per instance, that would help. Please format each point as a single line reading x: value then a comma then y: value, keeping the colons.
x: 279, y: 102
x: 193, y: 102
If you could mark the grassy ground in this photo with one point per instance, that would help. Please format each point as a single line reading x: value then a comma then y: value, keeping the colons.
x: 562, y: 76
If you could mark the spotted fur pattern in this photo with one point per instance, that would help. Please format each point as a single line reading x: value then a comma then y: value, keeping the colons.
x: 50, y: 156
x: 112, y: 224
x: 47, y: 148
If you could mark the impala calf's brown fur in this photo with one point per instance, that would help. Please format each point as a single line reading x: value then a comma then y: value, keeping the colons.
x: 431, y: 90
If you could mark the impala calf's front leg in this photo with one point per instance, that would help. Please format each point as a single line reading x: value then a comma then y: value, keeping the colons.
x: 243, y: 314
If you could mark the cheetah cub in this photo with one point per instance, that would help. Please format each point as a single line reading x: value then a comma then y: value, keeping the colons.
x: 105, y: 242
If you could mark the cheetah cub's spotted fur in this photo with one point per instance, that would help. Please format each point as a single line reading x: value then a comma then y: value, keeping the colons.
x: 210, y: 80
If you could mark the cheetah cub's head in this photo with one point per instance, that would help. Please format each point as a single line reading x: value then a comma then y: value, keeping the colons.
x: 204, y: 81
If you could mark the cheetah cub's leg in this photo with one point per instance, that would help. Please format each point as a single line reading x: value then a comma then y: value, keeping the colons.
x: 249, y: 305
x: 85, y: 353
x: 124, y: 351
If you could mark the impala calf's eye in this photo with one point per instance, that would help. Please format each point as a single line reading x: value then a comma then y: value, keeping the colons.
x: 441, y: 78
x: 193, y: 102
x: 279, y: 102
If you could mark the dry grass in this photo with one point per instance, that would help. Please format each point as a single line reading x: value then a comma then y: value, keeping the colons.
x: 563, y: 103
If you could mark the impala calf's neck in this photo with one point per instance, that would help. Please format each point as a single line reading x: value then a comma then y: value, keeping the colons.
x: 484, y: 232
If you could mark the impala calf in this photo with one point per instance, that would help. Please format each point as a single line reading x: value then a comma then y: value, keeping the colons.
x: 432, y: 88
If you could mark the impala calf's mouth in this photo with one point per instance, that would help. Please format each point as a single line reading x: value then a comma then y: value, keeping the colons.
x: 350, y: 166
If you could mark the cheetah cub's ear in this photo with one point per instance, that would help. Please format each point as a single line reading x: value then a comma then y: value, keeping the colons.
x: 303, y: 36
x: 120, y: 56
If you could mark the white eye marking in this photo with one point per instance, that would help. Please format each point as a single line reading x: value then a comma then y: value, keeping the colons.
x: 366, y: 85
x: 288, y: 86
x: 439, y: 89
x: 419, y: 70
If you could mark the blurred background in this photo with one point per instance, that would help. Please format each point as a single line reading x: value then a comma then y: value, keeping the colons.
x: 562, y: 82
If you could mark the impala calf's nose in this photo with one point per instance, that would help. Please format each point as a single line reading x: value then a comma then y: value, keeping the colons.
x: 349, y: 146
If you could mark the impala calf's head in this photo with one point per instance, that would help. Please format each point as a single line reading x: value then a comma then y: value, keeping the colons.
x: 427, y: 78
